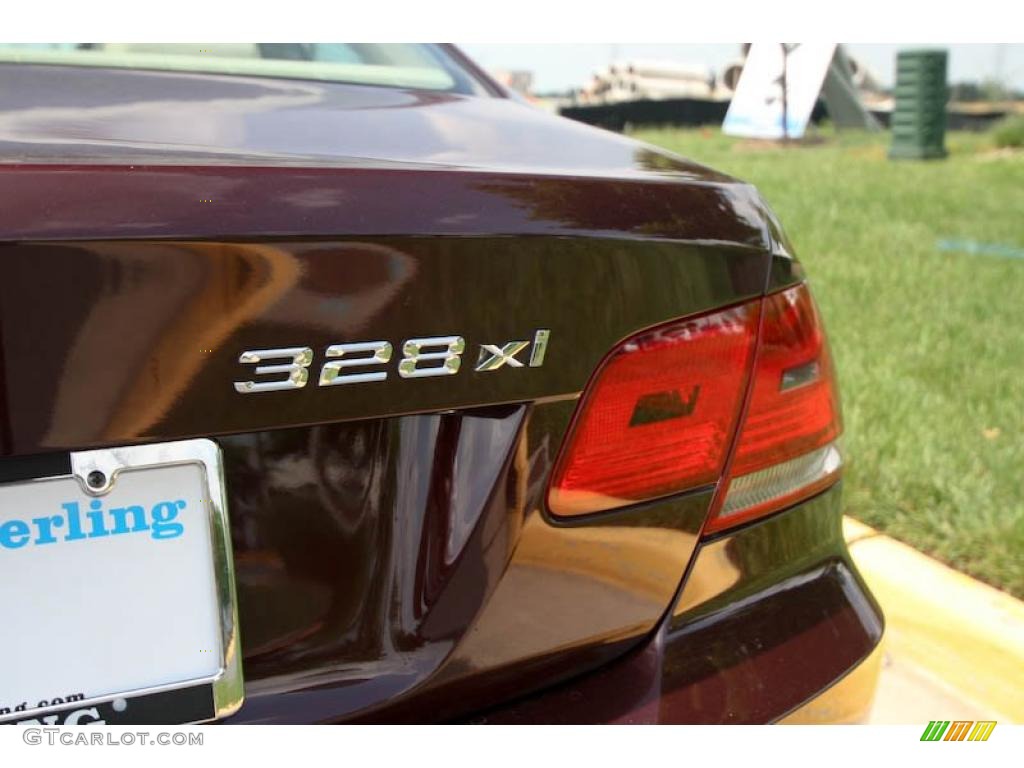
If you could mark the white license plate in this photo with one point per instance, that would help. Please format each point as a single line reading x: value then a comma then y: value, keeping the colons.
x: 117, y: 589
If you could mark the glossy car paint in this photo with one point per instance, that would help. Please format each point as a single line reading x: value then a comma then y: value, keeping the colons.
x: 769, y: 616
x: 394, y: 557
x: 142, y: 338
x: 323, y: 514
x: 219, y: 157
x: 375, y: 557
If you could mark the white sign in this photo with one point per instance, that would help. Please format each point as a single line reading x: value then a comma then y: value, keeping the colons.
x: 756, y: 110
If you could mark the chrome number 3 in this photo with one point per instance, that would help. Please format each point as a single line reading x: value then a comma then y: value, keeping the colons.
x: 297, y: 370
x: 422, y: 357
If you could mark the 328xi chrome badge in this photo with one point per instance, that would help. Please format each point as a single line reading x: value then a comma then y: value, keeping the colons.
x: 362, y: 361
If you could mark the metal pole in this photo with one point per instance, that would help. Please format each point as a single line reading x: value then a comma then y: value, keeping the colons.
x: 785, y: 97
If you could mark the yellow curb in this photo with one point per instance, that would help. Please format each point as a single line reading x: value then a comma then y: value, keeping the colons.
x: 968, y: 634
x: 847, y: 702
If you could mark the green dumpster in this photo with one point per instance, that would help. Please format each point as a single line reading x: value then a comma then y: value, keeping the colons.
x: 919, y: 114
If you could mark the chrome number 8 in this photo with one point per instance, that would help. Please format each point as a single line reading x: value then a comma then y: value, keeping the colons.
x: 450, y: 356
x: 297, y: 370
x: 331, y: 375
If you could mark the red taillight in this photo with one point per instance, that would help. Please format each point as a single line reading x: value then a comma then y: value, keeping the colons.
x: 659, y: 414
x: 788, y: 442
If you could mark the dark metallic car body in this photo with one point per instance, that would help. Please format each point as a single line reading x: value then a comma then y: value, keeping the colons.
x: 394, y: 557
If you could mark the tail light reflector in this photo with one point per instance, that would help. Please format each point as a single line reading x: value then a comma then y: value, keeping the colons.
x: 788, y: 446
x: 659, y: 414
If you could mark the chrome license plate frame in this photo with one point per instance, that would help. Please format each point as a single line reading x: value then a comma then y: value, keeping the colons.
x: 97, y: 475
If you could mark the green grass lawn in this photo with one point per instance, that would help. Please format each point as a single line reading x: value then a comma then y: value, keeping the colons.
x: 929, y: 344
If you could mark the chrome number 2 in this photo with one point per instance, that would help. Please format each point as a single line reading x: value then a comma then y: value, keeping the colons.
x: 421, y: 358
x: 331, y: 374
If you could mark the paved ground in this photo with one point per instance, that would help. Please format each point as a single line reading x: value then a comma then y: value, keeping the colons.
x: 908, y: 694
x: 954, y: 647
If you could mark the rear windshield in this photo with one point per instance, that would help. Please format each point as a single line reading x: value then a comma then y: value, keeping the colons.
x: 398, y: 65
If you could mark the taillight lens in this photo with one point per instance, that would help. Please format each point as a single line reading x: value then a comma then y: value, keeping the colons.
x: 788, y: 446
x: 667, y: 406
x: 659, y: 415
